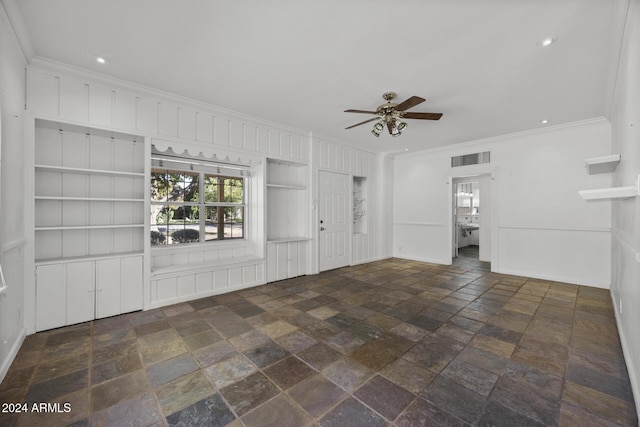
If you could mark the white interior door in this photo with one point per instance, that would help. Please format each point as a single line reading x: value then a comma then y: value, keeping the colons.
x: 333, y: 216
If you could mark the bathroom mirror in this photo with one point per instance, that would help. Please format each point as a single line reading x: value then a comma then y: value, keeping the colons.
x: 468, y: 198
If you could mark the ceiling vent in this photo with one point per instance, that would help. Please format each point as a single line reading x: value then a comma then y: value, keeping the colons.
x: 471, y: 159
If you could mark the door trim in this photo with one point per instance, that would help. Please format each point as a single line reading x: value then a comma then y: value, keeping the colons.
x: 493, y: 174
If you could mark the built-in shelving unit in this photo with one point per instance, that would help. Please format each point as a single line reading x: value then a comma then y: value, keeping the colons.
x: 287, y: 222
x: 359, y: 205
x: 89, y: 222
x: 608, y: 164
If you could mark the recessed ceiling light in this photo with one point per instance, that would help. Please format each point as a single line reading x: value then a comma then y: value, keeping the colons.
x: 102, y: 60
x: 406, y: 149
x: 547, y: 41
x: 544, y: 121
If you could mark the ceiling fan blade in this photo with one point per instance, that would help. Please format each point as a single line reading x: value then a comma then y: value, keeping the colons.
x: 360, y: 111
x: 361, y: 123
x: 422, y: 116
x: 409, y: 103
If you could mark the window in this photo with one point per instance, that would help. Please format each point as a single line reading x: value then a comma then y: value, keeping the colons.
x: 195, y: 206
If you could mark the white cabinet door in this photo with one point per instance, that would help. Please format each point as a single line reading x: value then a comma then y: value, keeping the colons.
x: 80, y: 292
x: 108, y: 288
x: 131, y: 280
x: 283, y: 261
x: 292, y: 259
x: 51, y: 296
x: 272, y: 262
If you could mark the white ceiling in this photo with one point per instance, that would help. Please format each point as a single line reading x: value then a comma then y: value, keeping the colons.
x: 302, y: 63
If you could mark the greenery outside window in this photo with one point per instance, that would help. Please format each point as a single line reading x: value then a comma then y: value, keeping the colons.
x: 195, y: 206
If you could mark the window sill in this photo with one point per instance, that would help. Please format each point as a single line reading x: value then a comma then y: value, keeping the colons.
x: 199, y: 247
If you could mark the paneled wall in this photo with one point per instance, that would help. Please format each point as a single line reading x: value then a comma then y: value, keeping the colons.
x: 12, y: 190
x: 334, y: 157
x: 58, y: 93
x: 626, y: 213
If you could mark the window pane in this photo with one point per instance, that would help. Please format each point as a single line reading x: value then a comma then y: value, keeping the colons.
x: 233, y: 190
x: 186, y: 187
x: 174, y: 224
x: 159, y: 185
x: 211, y: 188
x: 233, y: 222
x: 160, y: 218
x: 211, y: 224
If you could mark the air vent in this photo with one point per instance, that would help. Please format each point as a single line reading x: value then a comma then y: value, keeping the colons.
x: 471, y: 159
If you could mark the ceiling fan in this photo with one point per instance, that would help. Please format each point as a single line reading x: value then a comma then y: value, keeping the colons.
x: 392, y: 115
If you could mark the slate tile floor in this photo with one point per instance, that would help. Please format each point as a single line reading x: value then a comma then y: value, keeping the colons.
x: 393, y: 342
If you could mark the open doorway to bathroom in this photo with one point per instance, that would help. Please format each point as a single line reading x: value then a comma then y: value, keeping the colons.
x: 471, y: 217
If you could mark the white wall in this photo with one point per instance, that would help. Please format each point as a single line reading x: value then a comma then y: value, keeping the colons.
x: 625, y: 114
x: 12, y: 239
x: 541, y: 227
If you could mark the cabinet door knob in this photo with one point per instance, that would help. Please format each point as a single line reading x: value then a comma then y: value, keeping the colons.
x: 321, y: 228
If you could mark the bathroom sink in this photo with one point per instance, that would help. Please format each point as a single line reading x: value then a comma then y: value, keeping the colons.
x: 469, y: 227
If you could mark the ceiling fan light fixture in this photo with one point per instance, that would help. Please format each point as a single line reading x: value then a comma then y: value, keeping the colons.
x: 390, y: 115
x: 377, y: 129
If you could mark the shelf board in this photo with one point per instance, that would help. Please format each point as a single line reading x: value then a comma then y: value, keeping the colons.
x: 604, y: 164
x: 86, y: 171
x: 87, y: 227
x: 286, y: 239
x: 613, y: 193
x: 291, y: 187
x: 44, y: 261
x: 609, y: 193
x: 87, y: 199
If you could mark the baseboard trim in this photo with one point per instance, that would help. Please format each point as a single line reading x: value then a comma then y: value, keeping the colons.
x: 15, y: 348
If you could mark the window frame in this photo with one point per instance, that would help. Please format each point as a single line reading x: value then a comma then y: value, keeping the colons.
x: 184, y: 166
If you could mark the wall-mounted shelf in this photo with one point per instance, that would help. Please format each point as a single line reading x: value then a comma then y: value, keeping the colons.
x: 612, y: 193
x: 604, y: 164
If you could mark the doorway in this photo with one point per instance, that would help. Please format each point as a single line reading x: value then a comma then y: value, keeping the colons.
x: 471, y: 230
x: 333, y: 216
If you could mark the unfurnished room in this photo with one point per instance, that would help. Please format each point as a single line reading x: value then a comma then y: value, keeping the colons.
x: 292, y: 213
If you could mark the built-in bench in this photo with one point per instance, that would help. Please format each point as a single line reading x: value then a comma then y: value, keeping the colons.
x: 210, y: 265
x: 176, y: 283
